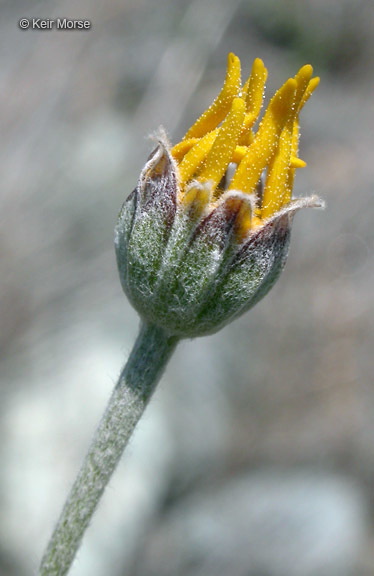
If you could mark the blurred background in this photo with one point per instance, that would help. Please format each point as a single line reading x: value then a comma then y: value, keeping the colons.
x: 256, y: 455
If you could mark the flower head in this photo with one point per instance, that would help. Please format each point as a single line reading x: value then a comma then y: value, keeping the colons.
x: 205, y: 234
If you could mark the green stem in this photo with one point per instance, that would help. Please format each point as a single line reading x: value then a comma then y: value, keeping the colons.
x: 135, y: 386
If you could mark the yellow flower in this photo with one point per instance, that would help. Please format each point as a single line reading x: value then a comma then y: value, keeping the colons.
x: 224, y: 136
x: 205, y: 234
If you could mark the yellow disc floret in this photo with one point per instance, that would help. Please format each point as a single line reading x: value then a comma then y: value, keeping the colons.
x: 222, y: 104
x: 223, y: 136
x: 253, y: 93
x: 224, y: 145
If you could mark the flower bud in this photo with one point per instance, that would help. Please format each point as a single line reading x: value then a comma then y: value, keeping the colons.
x: 206, y: 232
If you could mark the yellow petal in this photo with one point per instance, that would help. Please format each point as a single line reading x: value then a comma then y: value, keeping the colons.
x: 277, y: 184
x: 303, y: 80
x: 312, y: 85
x: 194, y: 158
x: 180, y: 149
x: 254, y: 87
x: 264, y: 145
x: 222, y: 104
x: 277, y: 174
x: 239, y: 153
x: 309, y: 90
x: 297, y: 162
x: 224, y: 145
x: 253, y: 93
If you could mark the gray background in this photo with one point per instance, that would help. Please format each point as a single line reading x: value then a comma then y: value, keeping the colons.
x: 256, y: 456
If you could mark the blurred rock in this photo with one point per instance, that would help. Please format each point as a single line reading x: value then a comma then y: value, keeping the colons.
x: 268, y: 523
x: 48, y: 427
x: 199, y: 411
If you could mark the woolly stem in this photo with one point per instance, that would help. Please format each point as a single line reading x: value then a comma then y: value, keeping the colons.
x: 135, y: 386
